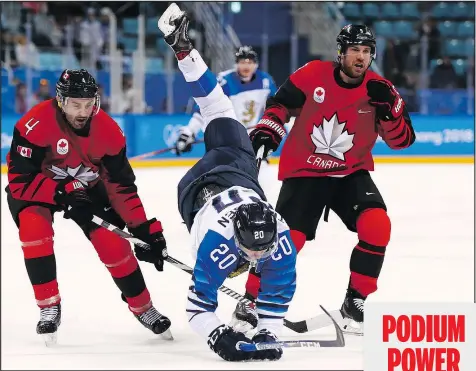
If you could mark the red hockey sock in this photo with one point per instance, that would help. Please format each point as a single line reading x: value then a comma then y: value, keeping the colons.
x: 373, y: 229
x: 117, y: 256
x: 36, y: 235
x: 253, y: 282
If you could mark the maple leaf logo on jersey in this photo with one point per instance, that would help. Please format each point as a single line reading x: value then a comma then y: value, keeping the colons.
x: 81, y: 173
x: 331, y: 139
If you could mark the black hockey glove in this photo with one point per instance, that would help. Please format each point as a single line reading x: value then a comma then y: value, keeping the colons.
x: 184, y: 142
x: 223, y: 341
x: 268, y: 354
x: 389, y: 105
x: 150, y: 232
x: 71, y: 195
x: 268, y: 134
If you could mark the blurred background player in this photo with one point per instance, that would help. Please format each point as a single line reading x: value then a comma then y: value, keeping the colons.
x: 69, y: 155
x: 224, y: 208
x: 248, y: 89
x: 326, y: 159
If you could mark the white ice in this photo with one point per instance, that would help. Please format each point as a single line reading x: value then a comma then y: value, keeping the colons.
x: 430, y: 258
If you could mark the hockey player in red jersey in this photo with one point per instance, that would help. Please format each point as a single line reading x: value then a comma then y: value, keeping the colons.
x: 340, y: 107
x: 68, y: 154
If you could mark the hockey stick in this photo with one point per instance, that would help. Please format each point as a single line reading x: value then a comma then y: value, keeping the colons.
x: 322, y: 320
x: 97, y: 220
x: 339, y: 342
x: 259, y: 157
x: 158, y: 152
x: 163, y: 150
x: 184, y: 267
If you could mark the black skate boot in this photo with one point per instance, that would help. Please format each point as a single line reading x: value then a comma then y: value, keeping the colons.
x: 50, y: 319
x: 156, y: 322
x: 174, y: 24
x: 245, y: 317
x: 352, y: 311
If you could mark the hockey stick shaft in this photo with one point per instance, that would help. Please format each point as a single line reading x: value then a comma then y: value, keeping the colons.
x: 158, y: 152
x: 250, y: 347
x: 163, y: 150
x: 97, y: 220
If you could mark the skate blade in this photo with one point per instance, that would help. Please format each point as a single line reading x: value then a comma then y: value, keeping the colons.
x: 171, y: 13
x: 50, y: 339
x: 167, y: 335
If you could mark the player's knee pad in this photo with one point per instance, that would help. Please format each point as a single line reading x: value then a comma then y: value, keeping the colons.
x: 374, y: 227
x: 36, y: 232
x: 299, y: 239
x: 114, y: 252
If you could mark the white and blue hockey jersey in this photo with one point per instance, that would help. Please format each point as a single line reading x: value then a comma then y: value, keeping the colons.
x: 249, y: 99
x: 216, y: 256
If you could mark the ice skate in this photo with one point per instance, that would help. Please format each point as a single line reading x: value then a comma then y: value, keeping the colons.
x: 156, y: 322
x: 47, y: 327
x: 174, y: 24
x: 245, y: 317
x: 352, y: 312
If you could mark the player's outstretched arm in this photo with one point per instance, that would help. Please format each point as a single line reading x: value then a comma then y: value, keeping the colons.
x: 394, y: 122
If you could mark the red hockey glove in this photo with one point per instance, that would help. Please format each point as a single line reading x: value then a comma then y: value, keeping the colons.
x: 71, y: 195
x: 386, y: 99
x: 150, y: 232
x: 268, y: 134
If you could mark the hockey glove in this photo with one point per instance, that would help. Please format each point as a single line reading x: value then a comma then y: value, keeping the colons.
x: 389, y: 105
x: 150, y: 232
x: 71, y: 195
x: 268, y: 134
x: 268, y: 354
x: 184, y: 142
x: 223, y: 341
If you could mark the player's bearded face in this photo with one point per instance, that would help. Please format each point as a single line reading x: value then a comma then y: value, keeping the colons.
x: 356, y: 60
x: 78, y: 111
x: 246, y: 68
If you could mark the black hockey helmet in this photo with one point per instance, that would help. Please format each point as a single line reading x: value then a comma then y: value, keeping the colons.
x: 356, y: 34
x: 246, y: 52
x: 77, y: 84
x: 256, y: 232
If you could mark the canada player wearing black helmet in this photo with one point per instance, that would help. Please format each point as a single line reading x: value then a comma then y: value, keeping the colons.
x: 69, y: 155
x: 224, y: 208
x: 341, y: 108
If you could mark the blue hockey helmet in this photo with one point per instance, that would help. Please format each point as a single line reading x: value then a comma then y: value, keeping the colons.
x: 256, y: 234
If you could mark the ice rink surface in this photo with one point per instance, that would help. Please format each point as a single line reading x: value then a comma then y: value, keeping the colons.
x: 430, y: 258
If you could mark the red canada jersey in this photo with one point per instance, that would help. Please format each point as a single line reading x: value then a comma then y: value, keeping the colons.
x: 335, y: 128
x: 46, y: 149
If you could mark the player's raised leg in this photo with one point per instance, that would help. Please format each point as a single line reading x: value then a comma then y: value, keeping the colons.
x: 226, y: 141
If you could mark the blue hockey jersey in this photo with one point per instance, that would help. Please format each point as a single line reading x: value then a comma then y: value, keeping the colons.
x: 216, y: 256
